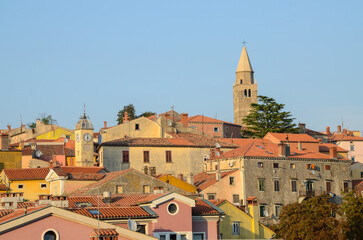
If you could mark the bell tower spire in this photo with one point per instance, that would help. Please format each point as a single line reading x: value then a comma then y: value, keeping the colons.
x: 244, y: 88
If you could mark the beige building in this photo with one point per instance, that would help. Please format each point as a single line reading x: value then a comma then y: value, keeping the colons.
x: 278, y: 175
x: 182, y: 153
x: 244, y: 88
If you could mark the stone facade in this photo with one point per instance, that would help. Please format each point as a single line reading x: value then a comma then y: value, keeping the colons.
x: 244, y: 88
x: 84, y: 142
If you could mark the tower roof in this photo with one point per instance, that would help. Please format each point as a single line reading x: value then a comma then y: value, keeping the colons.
x: 84, y: 123
x: 244, y: 64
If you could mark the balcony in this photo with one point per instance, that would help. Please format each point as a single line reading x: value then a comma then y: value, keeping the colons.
x: 312, y: 193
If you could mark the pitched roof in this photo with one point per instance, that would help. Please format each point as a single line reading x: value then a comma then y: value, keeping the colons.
x: 80, y: 173
x: 178, y: 139
x: 342, y: 137
x: 201, y: 118
x: 244, y: 64
x: 324, y: 147
x: 204, y: 180
x: 269, y: 149
x: 19, y: 212
x: 291, y: 137
x: 104, y: 232
x: 113, y: 212
x: 121, y: 200
x: 203, y: 208
x: 26, y: 173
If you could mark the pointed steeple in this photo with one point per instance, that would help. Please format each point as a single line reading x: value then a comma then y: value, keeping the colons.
x: 244, y: 64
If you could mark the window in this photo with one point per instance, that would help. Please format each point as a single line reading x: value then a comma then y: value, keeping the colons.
x: 146, y: 157
x: 216, y: 129
x: 119, y: 189
x: 146, y: 189
x: 235, y: 198
x: 241, y: 81
x: 232, y: 180
x: 310, y: 166
x: 43, y: 185
x: 328, y: 186
x: 249, y: 92
x: 198, y: 236
x: 146, y: 169
x: 351, y: 147
x: 50, y: 234
x: 137, y: 126
x: 353, y: 159
x: 292, y: 165
x: 125, y: 156
x: 361, y: 174
x: 172, y: 208
x: 235, y: 228
x: 276, y: 185
x: 262, y: 210
x: 327, y: 167
x: 141, y: 228
x: 183, y: 237
x: 20, y: 186
x: 276, y: 165
x: 245, y: 93
x: 261, y: 185
x: 345, y: 186
x: 168, y: 156
x: 277, y: 210
x: 211, y: 196
x: 260, y: 164
x: 162, y: 237
x: 152, y: 171
x: 293, y: 186
x: 172, y: 236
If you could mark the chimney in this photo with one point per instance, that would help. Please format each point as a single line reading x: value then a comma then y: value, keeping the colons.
x: 254, y: 211
x: 299, y: 146
x: 339, y: 129
x: 218, y: 175
x: 281, y: 149
x: 333, y: 152
x: 345, y: 132
x: 328, y: 131
x: 9, y: 127
x: 105, y: 124
x: 4, y: 141
x: 184, y: 119
x: 107, y: 197
x: 302, y: 128
x: 51, y: 164
x: 126, y: 117
x: 180, y: 176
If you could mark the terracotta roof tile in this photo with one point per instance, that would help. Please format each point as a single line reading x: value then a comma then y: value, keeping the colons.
x: 202, y: 208
x: 342, y: 137
x: 204, y: 180
x: 121, y: 200
x: 19, y: 212
x: 26, y: 173
x: 200, y: 118
x: 292, y: 137
x: 113, y: 212
x: 26, y: 204
x: 324, y: 147
x: 104, y: 232
x: 4, y: 212
x: 3, y: 187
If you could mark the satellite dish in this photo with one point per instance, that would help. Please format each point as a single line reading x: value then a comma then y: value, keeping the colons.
x: 132, y: 225
x: 65, y: 140
x: 217, y: 145
x: 218, y: 154
x: 265, y: 213
x: 230, y: 164
x: 38, y: 153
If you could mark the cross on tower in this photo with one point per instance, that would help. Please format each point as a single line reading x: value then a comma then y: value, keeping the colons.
x: 244, y: 43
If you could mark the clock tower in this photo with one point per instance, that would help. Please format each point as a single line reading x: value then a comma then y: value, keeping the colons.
x: 84, y: 142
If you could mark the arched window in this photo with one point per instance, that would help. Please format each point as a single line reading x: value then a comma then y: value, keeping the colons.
x: 245, y: 92
x: 241, y: 81
x: 249, y: 92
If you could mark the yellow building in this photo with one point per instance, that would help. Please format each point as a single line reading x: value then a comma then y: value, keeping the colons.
x: 178, y: 182
x: 237, y: 224
x: 10, y: 159
x: 30, y: 181
x: 59, y: 132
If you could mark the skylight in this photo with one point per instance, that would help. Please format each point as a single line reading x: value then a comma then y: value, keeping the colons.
x: 260, y: 147
x: 94, y: 211
x: 83, y: 204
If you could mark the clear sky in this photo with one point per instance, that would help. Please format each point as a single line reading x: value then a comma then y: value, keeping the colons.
x: 57, y: 55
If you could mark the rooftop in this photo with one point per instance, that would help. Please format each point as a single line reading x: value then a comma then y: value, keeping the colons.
x: 26, y: 173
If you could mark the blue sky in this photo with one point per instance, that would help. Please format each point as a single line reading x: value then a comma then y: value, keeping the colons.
x: 56, y: 56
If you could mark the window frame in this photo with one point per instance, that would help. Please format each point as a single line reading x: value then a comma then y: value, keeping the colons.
x: 22, y: 186
x: 168, y: 156
x: 236, y: 228
x: 261, y: 185
x: 146, y: 156
x: 137, y: 126
x: 232, y: 180
x: 41, y: 187
x: 275, y: 165
x: 211, y: 196
x: 276, y: 185
x: 125, y: 156
x: 293, y: 185
x: 262, y: 212
x: 215, y: 129
x: 259, y: 164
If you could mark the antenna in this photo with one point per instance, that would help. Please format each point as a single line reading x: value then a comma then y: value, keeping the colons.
x: 132, y: 225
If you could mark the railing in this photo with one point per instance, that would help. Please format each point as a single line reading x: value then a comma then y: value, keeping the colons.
x: 312, y: 193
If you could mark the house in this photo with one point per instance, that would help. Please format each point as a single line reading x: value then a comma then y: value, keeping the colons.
x: 238, y: 224
x: 214, y: 127
x: 49, y: 222
x: 129, y: 181
x: 300, y: 141
x: 220, y: 185
x: 30, y: 182
x: 8, y: 158
x: 182, y: 153
x: 278, y: 174
x: 354, y: 145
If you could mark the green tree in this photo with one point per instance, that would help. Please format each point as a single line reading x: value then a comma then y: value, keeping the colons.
x: 130, y: 109
x: 267, y: 116
x: 44, y: 118
x: 147, y: 114
x: 313, y: 219
x: 352, y: 209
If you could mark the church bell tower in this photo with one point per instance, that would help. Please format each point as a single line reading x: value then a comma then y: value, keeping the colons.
x: 244, y: 88
x: 84, y: 142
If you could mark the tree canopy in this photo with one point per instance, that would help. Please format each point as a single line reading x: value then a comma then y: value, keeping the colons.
x: 47, y: 119
x: 130, y: 109
x: 352, y: 208
x: 267, y: 116
x: 314, y: 218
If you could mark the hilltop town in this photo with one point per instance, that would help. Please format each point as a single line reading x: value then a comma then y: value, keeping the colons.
x: 169, y: 176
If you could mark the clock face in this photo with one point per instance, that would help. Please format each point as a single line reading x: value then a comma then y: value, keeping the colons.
x: 87, y: 137
x: 78, y: 137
